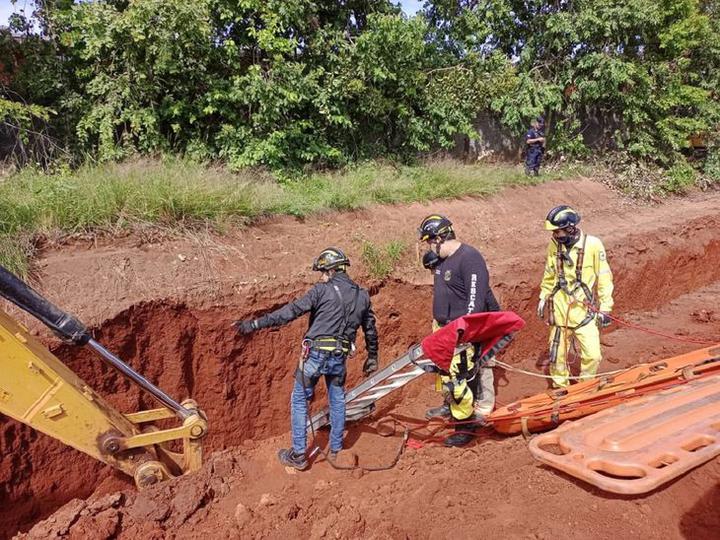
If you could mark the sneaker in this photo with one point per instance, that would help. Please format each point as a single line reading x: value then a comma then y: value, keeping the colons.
x: 289, y: 458
x: 332, y: 455
x: 438, y: 412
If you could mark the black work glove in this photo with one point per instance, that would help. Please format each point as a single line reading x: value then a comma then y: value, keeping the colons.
x: 370, y: 366
x: 245, y: 327
x: 604, y: 319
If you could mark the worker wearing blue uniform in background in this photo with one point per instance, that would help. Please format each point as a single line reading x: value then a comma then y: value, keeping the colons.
x: 535, y: 141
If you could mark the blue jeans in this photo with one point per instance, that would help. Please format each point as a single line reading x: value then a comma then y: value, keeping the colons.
x: 333, y: 367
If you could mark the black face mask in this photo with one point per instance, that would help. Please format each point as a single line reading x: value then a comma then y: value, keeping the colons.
x: 573, y: 235
x: 568, y: 241
x: 431, y: 260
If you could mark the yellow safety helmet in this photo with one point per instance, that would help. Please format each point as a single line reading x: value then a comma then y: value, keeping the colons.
x: 561, y: 217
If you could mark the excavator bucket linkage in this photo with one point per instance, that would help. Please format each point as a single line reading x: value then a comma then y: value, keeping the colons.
x: 39, y: 390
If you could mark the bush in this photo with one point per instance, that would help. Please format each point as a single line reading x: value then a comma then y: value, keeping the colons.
x: 712, y: 164
x: 679, y: 178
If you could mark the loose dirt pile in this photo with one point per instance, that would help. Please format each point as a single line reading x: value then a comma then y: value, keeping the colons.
x: 166, y: 309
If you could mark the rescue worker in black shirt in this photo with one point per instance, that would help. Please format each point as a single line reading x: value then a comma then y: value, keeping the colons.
x: 337, y: 307
x: 461, y: 286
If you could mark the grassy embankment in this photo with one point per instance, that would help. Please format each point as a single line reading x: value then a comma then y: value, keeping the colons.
x: 110, y: 199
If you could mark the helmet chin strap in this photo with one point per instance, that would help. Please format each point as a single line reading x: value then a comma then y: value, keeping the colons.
x: 436, y: 245
x: 573, y: 235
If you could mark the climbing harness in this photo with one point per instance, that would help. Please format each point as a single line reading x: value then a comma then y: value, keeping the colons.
x: 564, y: 331
x: 563, y: 258
x: 330, y: 344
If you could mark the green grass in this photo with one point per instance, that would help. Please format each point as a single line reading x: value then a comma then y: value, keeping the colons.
x: 182, y: 194
x: 381, y: 261
x: 15, y: 253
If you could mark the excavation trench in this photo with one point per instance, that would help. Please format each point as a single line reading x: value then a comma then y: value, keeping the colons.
x: 243, y: 383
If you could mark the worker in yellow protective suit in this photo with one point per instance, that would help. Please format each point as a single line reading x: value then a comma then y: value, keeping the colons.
x: 576, y: 292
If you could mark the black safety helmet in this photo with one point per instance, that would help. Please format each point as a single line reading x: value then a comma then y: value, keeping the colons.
x: 431, y: 260
x: 561, y: 217
x: 330, y: 259
x: 435, y: 226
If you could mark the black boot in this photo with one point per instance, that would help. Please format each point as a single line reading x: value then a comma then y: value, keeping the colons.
x: 289, y: 458
x: 443, y: 411
x: 464, y: 434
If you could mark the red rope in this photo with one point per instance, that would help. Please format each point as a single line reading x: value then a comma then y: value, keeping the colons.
x: 649, y: 330
x: 660, y: 334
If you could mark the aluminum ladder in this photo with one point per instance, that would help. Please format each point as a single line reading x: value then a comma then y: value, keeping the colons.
x: 360, y: 401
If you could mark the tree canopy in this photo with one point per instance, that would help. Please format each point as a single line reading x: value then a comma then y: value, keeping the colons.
x: 286, y: 83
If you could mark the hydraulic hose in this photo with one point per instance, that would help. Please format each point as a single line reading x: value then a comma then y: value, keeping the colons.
x: 15, y: 290
x: 141, y: 381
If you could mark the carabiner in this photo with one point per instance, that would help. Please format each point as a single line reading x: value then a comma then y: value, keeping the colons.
x: 305, y: 349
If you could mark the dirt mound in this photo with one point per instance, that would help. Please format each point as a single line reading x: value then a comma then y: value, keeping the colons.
x: 244, y: 493
x: 666, y: 261
x: 169, y: 506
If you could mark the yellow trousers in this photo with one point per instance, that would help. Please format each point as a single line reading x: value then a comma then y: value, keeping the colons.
x: 457, y: 392
x: 588, y: 338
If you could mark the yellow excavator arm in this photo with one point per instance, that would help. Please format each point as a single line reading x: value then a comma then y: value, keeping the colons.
x: 39, y: 390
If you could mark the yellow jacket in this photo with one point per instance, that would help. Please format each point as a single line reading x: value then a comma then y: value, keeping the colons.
x: 595, y: 286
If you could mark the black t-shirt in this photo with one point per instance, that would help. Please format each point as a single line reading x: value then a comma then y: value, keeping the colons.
x: 462, y: 286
